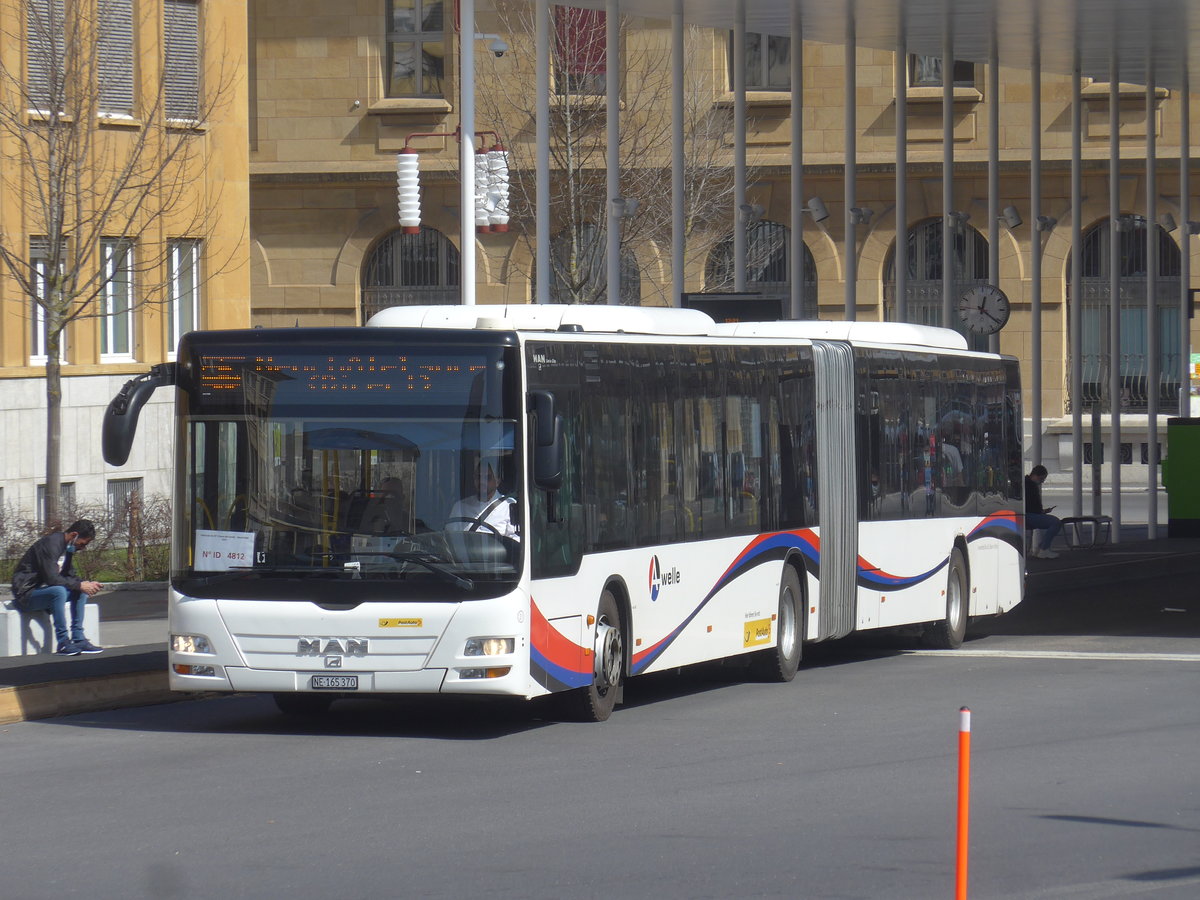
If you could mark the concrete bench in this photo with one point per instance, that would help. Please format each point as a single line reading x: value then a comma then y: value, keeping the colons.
x: 1087, y: 531
x: 24, y: 634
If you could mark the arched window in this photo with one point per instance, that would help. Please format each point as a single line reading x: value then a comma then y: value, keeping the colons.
x: 579, y: 259
x: 1096, y: 290
x: 924, y: 285
x: 768, y: 266
x: 410, y: 270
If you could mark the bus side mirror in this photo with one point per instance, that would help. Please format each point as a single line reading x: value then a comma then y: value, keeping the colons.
x: 120, y: 419
x: 547, y: 442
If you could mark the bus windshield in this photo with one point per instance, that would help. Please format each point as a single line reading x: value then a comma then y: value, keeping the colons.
x: 370, y: 476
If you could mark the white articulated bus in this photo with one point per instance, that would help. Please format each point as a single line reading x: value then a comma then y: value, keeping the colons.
x: 667, y: 491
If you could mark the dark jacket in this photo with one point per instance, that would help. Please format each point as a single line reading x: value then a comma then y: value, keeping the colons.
x: 1033, y: 497
x: 39, y: 567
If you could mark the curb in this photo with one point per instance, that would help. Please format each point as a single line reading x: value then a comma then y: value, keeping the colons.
x: 79, y: 695
x: 133, y: 585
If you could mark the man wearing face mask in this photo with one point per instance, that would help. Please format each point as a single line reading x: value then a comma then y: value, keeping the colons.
x: 45, y: 579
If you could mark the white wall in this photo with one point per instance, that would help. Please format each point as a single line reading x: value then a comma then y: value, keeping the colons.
x: 23, y: 440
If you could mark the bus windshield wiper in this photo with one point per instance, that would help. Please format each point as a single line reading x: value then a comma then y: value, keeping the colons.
x: 430, y: 562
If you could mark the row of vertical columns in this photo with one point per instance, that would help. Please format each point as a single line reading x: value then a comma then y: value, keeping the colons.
x: 1037, y: 221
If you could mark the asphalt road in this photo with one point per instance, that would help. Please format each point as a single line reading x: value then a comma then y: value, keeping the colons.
x: 1085, y: 779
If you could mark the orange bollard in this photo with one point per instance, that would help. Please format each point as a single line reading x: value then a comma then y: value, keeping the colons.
x: 964, y: 801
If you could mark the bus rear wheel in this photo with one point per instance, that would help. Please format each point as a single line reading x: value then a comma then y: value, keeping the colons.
x: 780, y: 662
x: 303, y: 705
x: 595, y: 702
x: 948, y: 634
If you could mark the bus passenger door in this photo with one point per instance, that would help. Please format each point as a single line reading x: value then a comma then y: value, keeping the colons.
x: 837, y: 492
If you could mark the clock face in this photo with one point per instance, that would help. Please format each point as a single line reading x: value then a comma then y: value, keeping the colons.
x: 984, y: 309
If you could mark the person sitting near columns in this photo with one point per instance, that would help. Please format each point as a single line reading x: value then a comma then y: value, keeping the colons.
x: 45, y: 580
x: 1037, y: 517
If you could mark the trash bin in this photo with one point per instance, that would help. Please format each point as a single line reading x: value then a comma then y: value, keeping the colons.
x: 1181, y: 477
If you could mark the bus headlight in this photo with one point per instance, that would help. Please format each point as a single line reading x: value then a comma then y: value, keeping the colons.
x: 190, y: 643
x: 489, y: 646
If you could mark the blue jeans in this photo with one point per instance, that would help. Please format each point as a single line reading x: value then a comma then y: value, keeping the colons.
x: 1048, y: 525
x: 56, y: 598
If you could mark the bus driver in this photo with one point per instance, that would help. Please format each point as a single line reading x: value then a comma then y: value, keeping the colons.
x: 487, y: 510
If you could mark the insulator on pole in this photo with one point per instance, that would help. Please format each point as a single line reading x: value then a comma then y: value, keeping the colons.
x: 498, y: 187
x: 408, y: 190
x: 482, y: 211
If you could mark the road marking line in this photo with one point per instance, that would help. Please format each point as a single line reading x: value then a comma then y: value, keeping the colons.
x: 1059, y: 654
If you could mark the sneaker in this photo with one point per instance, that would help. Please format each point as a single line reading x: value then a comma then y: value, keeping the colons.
x: 1046, y: 554
x: 68, y: 649
x: 86, y: 646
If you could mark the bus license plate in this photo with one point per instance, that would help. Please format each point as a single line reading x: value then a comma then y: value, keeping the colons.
x: 335, y: 682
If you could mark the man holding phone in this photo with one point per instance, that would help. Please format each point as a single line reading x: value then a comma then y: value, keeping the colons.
x: 1037, y: 517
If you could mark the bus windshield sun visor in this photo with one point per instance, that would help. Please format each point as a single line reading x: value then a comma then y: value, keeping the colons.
x: 121, y: 417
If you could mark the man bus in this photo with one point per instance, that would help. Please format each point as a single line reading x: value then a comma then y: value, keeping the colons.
x: 675, y: 491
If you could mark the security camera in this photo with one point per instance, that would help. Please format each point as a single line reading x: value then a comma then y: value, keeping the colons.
x: 498, y: 47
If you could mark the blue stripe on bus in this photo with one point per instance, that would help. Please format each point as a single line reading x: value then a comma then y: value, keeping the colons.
x: 565, y: 677
x: 1002, y: 526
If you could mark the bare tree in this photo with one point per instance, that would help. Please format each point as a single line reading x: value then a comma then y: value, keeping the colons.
x: 578, y: 202
x: 103, y: 166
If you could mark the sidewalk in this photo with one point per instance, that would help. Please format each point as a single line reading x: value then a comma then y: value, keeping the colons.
x: 132, y: 671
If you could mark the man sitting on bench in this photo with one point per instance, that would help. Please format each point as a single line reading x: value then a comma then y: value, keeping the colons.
x: 1038, y: 517
x: 45, y: 579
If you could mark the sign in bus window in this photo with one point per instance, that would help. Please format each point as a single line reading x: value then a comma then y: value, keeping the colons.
x: 220, y: 551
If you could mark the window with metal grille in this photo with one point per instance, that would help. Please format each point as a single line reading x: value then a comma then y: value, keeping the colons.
x: 410, y: 270
x: 124, y: 496
x: 416, y: 48
x: 183, y: 291
x: 1096, y: 315
x: 768, y: 266
x: 116, y: 338
x: 66, y: 502
x: 768, y: 62
x: 114, y: 51
x: 924, y: 286
x: 181, y: 59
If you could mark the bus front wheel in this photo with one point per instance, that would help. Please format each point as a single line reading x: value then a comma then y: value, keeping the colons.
x: 780, y: 662
x: 595, y: 702
x: 948, y: 634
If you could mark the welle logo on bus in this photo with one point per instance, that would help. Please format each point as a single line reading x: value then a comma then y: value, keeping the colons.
x: 658, y: 578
